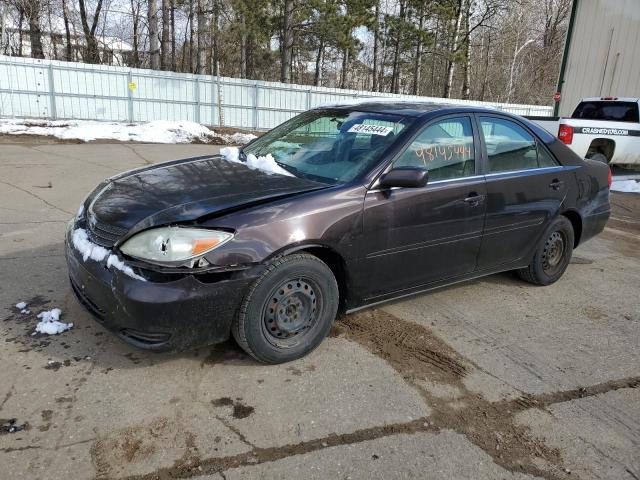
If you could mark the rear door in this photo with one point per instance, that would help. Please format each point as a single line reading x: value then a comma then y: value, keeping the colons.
x: 417, y: 236
x: 525, y: 189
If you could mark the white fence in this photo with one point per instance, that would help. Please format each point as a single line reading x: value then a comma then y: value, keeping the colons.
x: 62, y: 90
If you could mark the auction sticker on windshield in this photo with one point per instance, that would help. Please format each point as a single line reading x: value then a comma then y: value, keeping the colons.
x: 371, y: 129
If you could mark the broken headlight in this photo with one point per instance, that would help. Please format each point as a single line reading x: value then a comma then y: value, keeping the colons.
x: 174, y: 246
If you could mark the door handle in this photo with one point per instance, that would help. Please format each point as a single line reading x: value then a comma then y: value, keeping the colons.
x: 474, y: 199
x: 556, y: 184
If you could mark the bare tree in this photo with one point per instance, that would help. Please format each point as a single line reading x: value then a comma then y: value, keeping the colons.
x: 201, y: 34
x: 154, y: 47
x: 286, y: 46
x: 454, y: 47
x: 93, y: 51
x: 67, y: 31
x: 31, y: 10
x: 164, y: 39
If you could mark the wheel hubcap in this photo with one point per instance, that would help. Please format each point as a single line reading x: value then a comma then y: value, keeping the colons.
x: 554, y: 252
x: 292, y: 310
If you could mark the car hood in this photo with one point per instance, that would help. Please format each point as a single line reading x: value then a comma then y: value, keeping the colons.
x: 186, y: 190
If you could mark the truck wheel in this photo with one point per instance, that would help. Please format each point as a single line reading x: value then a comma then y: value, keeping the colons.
x: 599, y: 157
x: 288, y: 310
x: 552, y: 255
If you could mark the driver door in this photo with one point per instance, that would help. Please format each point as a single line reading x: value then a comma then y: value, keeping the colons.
x: 420, y: 236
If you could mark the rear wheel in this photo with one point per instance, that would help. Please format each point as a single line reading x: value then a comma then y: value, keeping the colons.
x: 552, y: 255
x: 288, y: 310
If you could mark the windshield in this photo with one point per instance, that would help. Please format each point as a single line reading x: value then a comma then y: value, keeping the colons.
x: 330, y: 147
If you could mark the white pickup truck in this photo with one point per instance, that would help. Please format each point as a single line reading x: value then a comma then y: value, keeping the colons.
x: 605, y: 129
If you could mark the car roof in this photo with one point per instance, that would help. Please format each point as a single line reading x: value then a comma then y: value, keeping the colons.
x: 407, y: 107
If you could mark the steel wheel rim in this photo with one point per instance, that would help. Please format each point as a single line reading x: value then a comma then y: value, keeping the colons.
x: 555, y: 249
x: 291, y: 312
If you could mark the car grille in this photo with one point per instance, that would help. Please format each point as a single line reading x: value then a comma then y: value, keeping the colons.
x: 103, y: 234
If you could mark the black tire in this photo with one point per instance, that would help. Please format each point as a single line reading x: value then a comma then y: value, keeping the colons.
x: 288, y: 310
x: 552, y: 255
x: 599, y: 157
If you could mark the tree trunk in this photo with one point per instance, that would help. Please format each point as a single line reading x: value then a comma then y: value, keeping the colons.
x: 32, y: 12
x: 376, y: 44
x: 417, y: 66
x: 452, y: 52
x: 395, y: 76
x: 154, y: 48
x: 191, y: 36
x: 164, y: 35
x: 466, y: 83
x: 54, y: 47
x: 67, y: 31
x: 20, y: 31
x: 173, y: 36
x: 383, y: 61
x: 243, y: 48
x: 135, y: 12
x: 286, y: 46
x: 215, y: 38
x: 93, y: 50
x: 320, y: 54
x: 200, y: 33
x: 486, y: 69
x: 345, y: 67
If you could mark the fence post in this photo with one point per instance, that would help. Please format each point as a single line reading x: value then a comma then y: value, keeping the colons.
x: 309, y: 99
x: 129, y: 96
x: 52, y: 94
x: 255, y: 106
x: 196, y: 99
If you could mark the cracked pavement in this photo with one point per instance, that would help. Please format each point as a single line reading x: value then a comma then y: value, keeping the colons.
x: 488, y: 379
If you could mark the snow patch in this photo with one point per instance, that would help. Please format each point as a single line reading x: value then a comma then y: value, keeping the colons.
x: 115, y: 262
x: 50, y: 323
x: 21, y: 305
x: 265, y: 163
x: 88, y: 249
x: 158, y: 131
x: 628, y: 186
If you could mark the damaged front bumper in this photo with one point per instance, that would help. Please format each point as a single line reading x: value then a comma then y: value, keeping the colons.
x: 158, y: 313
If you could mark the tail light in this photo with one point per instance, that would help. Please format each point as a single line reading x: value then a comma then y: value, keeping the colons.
x: 610, y: 178
x: 565, y: 134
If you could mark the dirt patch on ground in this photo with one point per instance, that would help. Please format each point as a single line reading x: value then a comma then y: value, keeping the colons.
x: 420, y: 357
x: 239, y: 409
x: 625, y: 212
x: 423, y: 360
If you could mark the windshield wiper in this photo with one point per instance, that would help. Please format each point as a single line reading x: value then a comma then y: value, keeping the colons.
x: 290, y: 169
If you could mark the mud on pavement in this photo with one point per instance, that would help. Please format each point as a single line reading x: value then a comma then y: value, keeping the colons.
x: 419, y: 356
x: 424, y: 361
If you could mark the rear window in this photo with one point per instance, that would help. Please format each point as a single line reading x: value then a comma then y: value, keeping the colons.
x: 609, y: 111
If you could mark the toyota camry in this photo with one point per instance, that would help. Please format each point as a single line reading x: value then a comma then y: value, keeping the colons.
x: 340, y: 208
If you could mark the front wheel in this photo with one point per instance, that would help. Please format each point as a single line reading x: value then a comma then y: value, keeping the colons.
x: 552, y: 255
x: 288, y: 310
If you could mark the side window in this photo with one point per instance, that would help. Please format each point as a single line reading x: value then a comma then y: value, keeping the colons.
x: 544, y: 158
x: 509, y: 146
x: 444, y: 148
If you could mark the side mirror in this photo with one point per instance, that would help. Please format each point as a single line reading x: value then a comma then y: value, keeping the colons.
x: 408, y: 177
